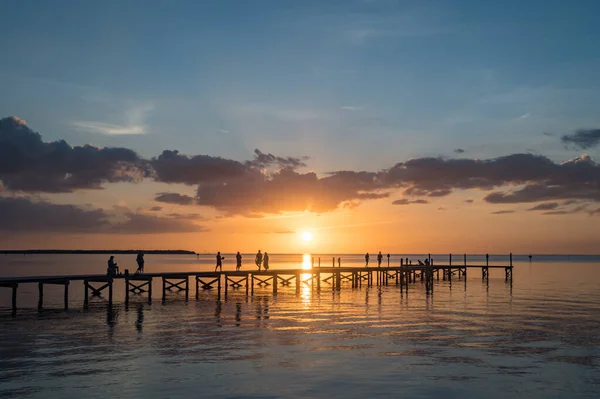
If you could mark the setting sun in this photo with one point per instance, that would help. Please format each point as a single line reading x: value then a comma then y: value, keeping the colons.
x: 307, y: 236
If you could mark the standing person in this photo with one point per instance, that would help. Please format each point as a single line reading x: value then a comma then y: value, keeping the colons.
x: 238, y: 262
x: 266, y: 261
x: 367, y: 260
x: 140, y: 262
x: 379, y: 259
x: 259, y: 259
x: 388, y: 260
x: 219, y: 262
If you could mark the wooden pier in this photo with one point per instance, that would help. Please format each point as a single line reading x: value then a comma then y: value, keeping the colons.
x: 332, y: 277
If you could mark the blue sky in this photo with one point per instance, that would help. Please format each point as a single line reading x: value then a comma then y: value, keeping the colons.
x: 352, y: 84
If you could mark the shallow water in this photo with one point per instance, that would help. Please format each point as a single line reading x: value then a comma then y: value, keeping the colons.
x: 539, y: 337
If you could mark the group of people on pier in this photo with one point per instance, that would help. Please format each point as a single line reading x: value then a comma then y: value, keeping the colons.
x: 260, y: 260
x: 379, y: 259
x: 113, y: 268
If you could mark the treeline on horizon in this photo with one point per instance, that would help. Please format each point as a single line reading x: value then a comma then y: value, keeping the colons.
x: 99, y: 251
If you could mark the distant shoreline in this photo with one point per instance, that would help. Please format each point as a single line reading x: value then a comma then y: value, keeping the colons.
x: 97, y: 251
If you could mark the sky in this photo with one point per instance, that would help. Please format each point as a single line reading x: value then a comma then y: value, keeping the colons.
x: 401, y: 126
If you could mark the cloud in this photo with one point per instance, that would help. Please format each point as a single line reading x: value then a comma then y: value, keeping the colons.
x: 524, y: 116
x: 262, y: 160
x: 21, y: 214
x: 135, y: 123
x: 583, y: 138
x: 173, y: 167
x: 174, y: 198
x: 537, y: 177
x: 29, y: 164
x: 288, y: 190
x: 502, y: 212
x: 272, y: 184
x: 469, y: 201
x: 459, y: 151
x: 557, y: 213
x: 548, y: 206
x: 155, y: 209
x: 404, y: 201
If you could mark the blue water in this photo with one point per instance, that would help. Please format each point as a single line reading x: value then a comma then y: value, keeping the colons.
x: 536, y: 338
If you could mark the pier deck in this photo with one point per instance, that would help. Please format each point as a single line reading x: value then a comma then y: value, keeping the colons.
x: 334, y: 277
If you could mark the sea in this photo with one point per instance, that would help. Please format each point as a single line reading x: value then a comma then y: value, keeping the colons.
x: 535, y: 337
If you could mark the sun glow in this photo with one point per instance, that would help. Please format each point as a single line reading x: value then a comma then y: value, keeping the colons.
x: 307, y: 236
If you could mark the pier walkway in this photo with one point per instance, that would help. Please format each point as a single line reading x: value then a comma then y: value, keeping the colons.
x: 331, y: 277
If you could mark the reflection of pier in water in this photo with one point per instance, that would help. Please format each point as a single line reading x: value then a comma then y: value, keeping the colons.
x: 313, y: 278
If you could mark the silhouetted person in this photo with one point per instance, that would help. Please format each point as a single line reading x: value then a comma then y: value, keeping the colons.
x: 530, y: 258
x: 113, y: 268
x: 259, y: 259
x: 140, y: 262
x: 388, y: 255
x: 266, y: 261
x: 367, y: 259
x: 420, y: 263
x: 219, y: 261
x: 238, y: 262
x: 379, y: 259
x: 426, y: 262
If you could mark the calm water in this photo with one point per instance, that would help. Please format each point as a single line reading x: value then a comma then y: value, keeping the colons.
x: 539, y: 338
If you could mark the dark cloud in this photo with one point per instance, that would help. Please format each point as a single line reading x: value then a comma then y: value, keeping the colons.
x: 31, y: 165
x: 189, y: 216
x: 20, y: 214
x: 557, y: 213
x: 404, y: 201
x: 273, y: 184
x: 459, y: 151
x: 548, y: 206
x: 583, y: 138
x: 502, y: 212
x: 155, y: 209
x: 440, y: 193
x: 174, y: 198
x: 262, y: 160
x: 172, y: 167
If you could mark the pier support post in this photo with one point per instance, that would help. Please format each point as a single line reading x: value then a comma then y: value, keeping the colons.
x: 110, y: 292
x: 297, y: 282
x: 338, y: 280
x: 86, y: 298
x: 219, y: 287
x: 66, y: 294
x: 247, y: 284
x: 150, y: 290
x: 164, y: 289
x: 40, y: 295
x: 187, y: 288
x: 274, y: 284
x: 14, y: 298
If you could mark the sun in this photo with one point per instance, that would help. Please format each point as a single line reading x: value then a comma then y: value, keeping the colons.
x: 307, y: 236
